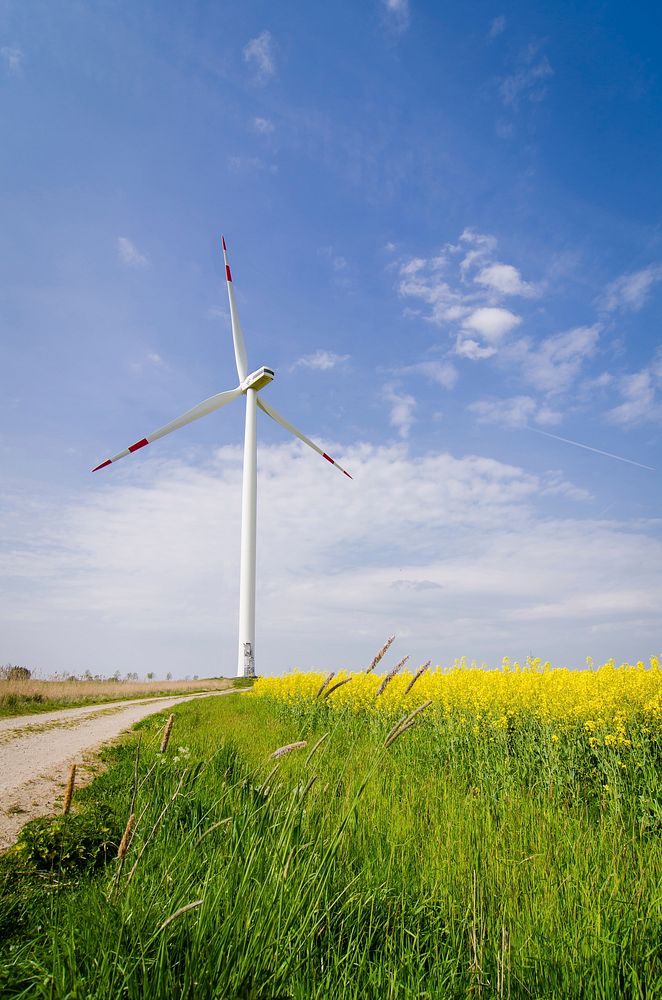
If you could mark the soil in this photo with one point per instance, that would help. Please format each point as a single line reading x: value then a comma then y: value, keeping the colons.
x: 36, y: 752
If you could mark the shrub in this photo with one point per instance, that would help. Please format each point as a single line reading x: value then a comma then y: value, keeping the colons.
x: 74, y: 842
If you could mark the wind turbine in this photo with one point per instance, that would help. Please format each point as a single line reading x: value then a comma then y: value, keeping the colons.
x: 249, y: 386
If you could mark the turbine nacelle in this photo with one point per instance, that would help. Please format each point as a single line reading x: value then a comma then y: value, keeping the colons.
x: 258, y: 379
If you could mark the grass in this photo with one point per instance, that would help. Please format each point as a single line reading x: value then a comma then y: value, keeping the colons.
x: 447, y: 865
x: 19, y: 697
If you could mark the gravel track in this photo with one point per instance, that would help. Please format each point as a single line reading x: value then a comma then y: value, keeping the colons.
x: 37, y: 750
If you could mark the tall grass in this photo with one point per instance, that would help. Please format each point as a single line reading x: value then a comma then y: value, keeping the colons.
x: 445, y: 865
x: 18, y: 697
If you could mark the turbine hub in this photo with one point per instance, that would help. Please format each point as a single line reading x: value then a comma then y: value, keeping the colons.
x: 258, y: 379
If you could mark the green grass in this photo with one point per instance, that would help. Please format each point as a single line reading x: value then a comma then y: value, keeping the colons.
x: 448, y: 866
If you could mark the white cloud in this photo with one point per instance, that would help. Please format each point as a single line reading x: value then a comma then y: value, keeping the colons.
x: 259, y: 53
x: 150, y: 360
x: 483, y: 245
x: 465, y: 347
x: 515, y: 412
x: 338, y: 262
x: 462, y: 287
x: 528, y: 80
x: 505, y: 279
x: 141, y: 569
x: 497, y: 26
x: 443, y: 373
x: 263, y: 126
x: 217, y: 312
x: 548, y: 417
x: 397, y: 12
x: 13, y: 58
x: 599, y: 382
x: 630, y: 291
x: 402, y: 407
x: 250, y: 164
x: 339, y: 265
x: 554, y: 363
x: 518, y: 411
x: 129, y: 254
x: 320, y: 360
x: 641, y: 404
x: 491, y: 323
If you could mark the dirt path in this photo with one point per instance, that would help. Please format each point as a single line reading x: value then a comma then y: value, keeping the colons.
x: 36, y: 751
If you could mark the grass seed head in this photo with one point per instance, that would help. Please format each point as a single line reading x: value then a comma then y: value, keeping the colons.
x: 126, y: 837
x: 326, y: 682
x: 178, y: 913
x: 390, y: 675
x: 406, y: 723
x: 338, y: 684
x: 380, y: 654
x: 419, y: 673
x: 289, y: 747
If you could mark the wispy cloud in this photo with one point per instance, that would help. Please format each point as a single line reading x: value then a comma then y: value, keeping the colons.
x: 529, y: 81
x: 250, y: 164
x: 150, y: 360
x: 338, y: 262
x: 468, y: 292
x: 497, y: 26
x: 518, y: 411
x: 402, y: 406
x: 553, y: 364
x: 397, y: 14
x: 259, y: 54
x: 217, y: 312
x: 443, y: 373
x: 641, y: 398
x: 322, y: 361
x: 129, y: 254
x: 629, y: 292
x: 13, y: 58
x: 263, y: 126
x: 339, y: 265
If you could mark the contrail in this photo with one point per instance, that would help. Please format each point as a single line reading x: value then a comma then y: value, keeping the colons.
x: 578, y: 444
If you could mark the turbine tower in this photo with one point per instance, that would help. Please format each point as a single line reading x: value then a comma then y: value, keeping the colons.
x: 249, y: 386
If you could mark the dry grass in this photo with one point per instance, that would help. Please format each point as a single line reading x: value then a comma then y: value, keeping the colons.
x: 19, y: 697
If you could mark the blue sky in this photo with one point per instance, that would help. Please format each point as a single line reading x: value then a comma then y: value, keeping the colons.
x: 444, y: 225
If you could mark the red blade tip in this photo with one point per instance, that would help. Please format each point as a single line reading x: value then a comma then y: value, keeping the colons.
x: 223, y: 242
x: 138, y: 444
x: 103, y: 465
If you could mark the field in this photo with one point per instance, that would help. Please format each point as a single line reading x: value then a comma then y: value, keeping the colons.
x: 504, y: 841
x: 21, y: 697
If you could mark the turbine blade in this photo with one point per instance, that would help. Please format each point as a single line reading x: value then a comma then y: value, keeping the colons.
x: 275, y: 415
x: 201, y: 410
x: 237, y: 333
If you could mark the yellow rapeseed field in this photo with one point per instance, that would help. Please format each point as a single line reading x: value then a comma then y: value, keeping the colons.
x: 605, y: 702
